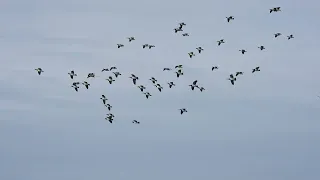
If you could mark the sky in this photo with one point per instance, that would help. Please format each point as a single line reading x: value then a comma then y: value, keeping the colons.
x: 264, y: 127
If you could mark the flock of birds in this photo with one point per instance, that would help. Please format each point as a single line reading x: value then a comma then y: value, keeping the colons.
x: 178, y: 70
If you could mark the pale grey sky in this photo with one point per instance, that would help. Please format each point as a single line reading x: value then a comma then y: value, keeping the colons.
x: 265, y: 127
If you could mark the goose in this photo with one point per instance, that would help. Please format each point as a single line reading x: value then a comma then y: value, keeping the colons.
x: 151, y: 46
x: 232, y: 79
x: 135, y: 122
x: 110, y: 119
x: 178, y: 66
x: 239, y: 73
x: 171, y: 84
x: 91, y: 75
x: 131, y: 39
x: 75, y: 87
x: 201, y: 88
x: 185, y: 34
x: 86, y: 84
x: 105, y: 69
x: 275, y: 9
x: 72, y: 74
x: 120, y: 45
x: 108, y: 106
x: 153, y: 80
x: 39, y: 70
x: 159, y: 87
x: 242, y: 51
x: 134, y: 78
x: 191, y: 54
x: 113, y: 68
x: 177, y: 30
x: 179, y: 73
x: 290, y: 36
x: 221, y: 41
x: 116, y: 74
x: 75, y: 83
x: 110, y: 115
x: 147, y: 94
x: 167, y: 69
x: 193, y: 86
x: 199, y: 49
x: 145, y: 45
x: 141, y: 87
x: 182, y: 24
x: 261, y: 48
x: 230, y: 18
x: 256, y: 69
x: 110, y: 79
x: 183, y: 110
x: 214, y: 67
x: 277, y: 34
x: 195, y: 82
x: 103, y: 98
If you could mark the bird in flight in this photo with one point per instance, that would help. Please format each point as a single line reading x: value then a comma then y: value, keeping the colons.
x: 151, y: 46
x: 167, y: 69
x: 256, y: 69
x: 261, y: 48
x: 108, y: 106
x: 134, y: 78
x: 131, y: 39
x: 145, y: 45
x: 242, y: 51
x: 214, y: 67
x: 91, y: 75
x: 135, y: 122
x: 147, y: 94
x: 239, y: 73
x: 191, y: 54
x: 232, y: 79
x: 110, y: 79
x: 183, y: 110
x: 185, y: 34
x: 120, y: 45
x: 290, y: 36
x: 275, y: 9
x: 221, y: 41
x: 230, y: 18
x: 142, y: 88
x: 116, y: 74
x: 171, y: 84
x: 153, y: 80
x: 103, y: 98
x: 179, y: 73
x: 199, y: 49
x: 86, y: 84
x: 277, y: 34
x: 159, y: 87
x: 72, y: 74
x: 179, y: 66
x: 76, y: 87
x: 39, y: 70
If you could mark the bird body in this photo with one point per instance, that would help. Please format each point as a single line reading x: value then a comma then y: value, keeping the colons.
x: 39, y: 70
x: 72, y: 74
x: 86, y: 84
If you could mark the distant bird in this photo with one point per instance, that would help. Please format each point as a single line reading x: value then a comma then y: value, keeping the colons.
x: 113, y: 68
x: 75, y: 83
x: 191, y: 54
x: 147, y: 94
x: 193, y: 86
x: 105, y: 69
x: 214, y: 67
x: 109, y: 118
x: 39, y: 70
x: 181, y: 25
x: 151, y: 46
x: 171, y: 84
x: 178, y: 66
x: 110, y: 79
x: 277, y: 34
x: 290, y: 36
x: 230, y: 18
x: 232, y: 79
x: 135, y: 122
x: 159, y: 87
x: 145, y: 45
x: 276, y: 9
x: 199, y: 49
x: 142, y: 88
x: 239, y: 73
x: 108, y: 106
x: 256, y: 69
x: 195, y: 82
x: 201, y: 88
x: 75, y: 87
x: 72, y: 74
x: 167, y: 69
x: 185, y: 34
x: 261, y: 48
x: 104, y: 99
x: 153, y: 80
x: 110, y: 115
x: 86, y: 84
x: 120, y: 45
x: 116, y: 74
x: 220, y: 42
x: 242, y: 51
x: 177, y: 30
x: 134, y: 78
x: 131, y: 39
x: 179, y: 73
x: 91, y: 75
x: 183, y: 110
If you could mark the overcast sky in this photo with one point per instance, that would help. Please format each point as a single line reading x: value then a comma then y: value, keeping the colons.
x: 265, y: 127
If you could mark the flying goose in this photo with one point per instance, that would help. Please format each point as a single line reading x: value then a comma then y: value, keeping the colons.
x: 191, y: 54
x: 199, y: 49
x: 201, y: 88
x: 214, y: 67
x: 105, y: 69
x: 171, y: 84
x: 134, y: 78
x: 261, y: 48
x: 110, y: 79
x: 220, y: 42
x: 195, y: 82
x: 108, y: 106
x: 135, y: 122
x: 39, y: 70
x: 145, y: 45
x: 153, y: 80
x: 230, y: 18
x: 141, y: 87
x: 75, y: 83
x: 275, y: 9
x: 193, y: 86
x: 131, y: 39
x: 75, y: 87
x: 242, y: 51
x: 86, y: 84
x: 181, y: 25
x: 232, y: 79
x: 159, y: 87
x: 290, y: 36
x: 179, y: 73
x: 177, y: 30
x: 113, y: 68
x: 120, y: 45
x: 151, y: 46
x: 109, y: 118
x: 167, y: 69
x: 72, y: 74
x: 256, y: 69
x: 116, y: 74
x: 110, y: 115
x: 239, y: 73
x: 185, y: 34
x: 147, y: 94
x: 104, y: 99
x: 178, y: 66
x: 183, y: 110
x: 91, y: 75
x: 277, y: 34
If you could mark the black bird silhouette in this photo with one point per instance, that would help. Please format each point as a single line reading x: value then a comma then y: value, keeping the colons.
x: 75, y: 87
x: 159, y: 87
x: 72, y: 74
x: 177, y: 30
x: 214, y: 67
x: 256, y: 69
x: 261, y: 48
x: 151, y: 46
x: 171, y: 84
x: 290, y: 36
x: 141, y: 87
x: 230, y: 18
x: 191, y: 54
x: 239, y: 73
x: 147, y: 94
x: 39, y: 70
x: 103, y: 98
x: 120, y: 45
x: 178, y: 66
x: 220, y: 42
x: 242, y: 51
x: 131, y: 39
x: 232, y: 79
x: 167, y: 69
x: 185, y: 34
x: 153, y: 80
x: 134, y: 78
x: 183, y: 110
x: 108, y: 106
x: 91, y: 75
x: 86, y: 84
x: 104, y: 69
x: 135, y: 122
x: 109, y: 118
x: 277, y: 34
x: 116, y: 74
x: 199, y: 49
x: 145, y: 45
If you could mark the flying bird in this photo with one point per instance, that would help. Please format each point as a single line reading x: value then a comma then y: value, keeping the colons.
x: 185, y: 34
x: 199, y: 49
x: 242, y: 51
x: 183, y: 110
x: 179, y: 66
x: 191, y: 54
x: 171, y: 84
x: 290, y: 36
x: 39, y: 70
x: 104, y: 69
x: 108, y: 106
x: 91, y: 75
x: 277, y: 34
x: 75, y: 87
x: 86, y: 84
x: 261, y: 48
x: 177, y: 30
x: 239, y: 73
x: 104, y: 99
x: 135, y: 122
x: 159, y: 87
x: 145, y: 45
x: 275, y: 9
x: 147, y: 94
x: 256, y: 69
x: 153, y: 80
x: 179, y: 73
x: 134, y: 78
x: 232, y: 79
x: 75, y: 83
x: 214, y: 67
x: 131, y: 39
x: 72, y: 74
x: 201, y: 88
x: 142, y: 88
x: 220, y: 42
x: 181, y: 25
x: 116, y: 74
x: 167, y: 69
x: 113, y: 68
x: 230, y: 18
x: 110, y: 79
x: 151, y: 46
x: 109, y: 118
x: 120, y: 45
